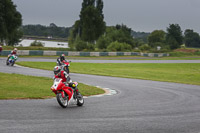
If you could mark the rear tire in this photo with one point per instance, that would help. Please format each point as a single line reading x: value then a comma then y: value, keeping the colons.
x: 80, y: 100
x: 62, y: 101
x: 67, y: 70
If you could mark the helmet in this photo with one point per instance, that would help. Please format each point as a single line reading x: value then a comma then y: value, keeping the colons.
x: 56, y: 70
x: 15, y: 49
x: 62, y: 57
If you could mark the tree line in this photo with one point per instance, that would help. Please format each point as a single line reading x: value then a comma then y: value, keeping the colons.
x: 86, y: 33
x: 46, y: 31
x: 91, y: 33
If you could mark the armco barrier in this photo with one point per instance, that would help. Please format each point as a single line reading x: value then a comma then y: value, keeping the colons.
x: 49, y: 53
x: 62, y: 52
x: 94, y: 54
x: 23, y: 52
x: 5, y: 53
x: 36, y: 52
x: 70, y: 53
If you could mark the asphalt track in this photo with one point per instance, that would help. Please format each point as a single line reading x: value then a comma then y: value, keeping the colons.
x: 141, y: 106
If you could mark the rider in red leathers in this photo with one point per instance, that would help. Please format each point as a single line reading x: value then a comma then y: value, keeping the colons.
x: 65, y: 78
x: 61, y: 74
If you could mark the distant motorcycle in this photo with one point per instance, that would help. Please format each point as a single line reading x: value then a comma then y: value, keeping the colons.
x: 66, y: 95
x: 65, y: 65
x: 11, y: 60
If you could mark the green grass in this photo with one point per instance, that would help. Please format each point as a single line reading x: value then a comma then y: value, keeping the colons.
x: 184, y: 54
x: 15, y: 86
x: 188, y: 73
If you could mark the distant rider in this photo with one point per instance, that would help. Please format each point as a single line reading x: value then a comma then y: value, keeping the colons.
x: 61, y: 59
x: 61, y: 62
x: 59, y: 73
x: 14, y: 52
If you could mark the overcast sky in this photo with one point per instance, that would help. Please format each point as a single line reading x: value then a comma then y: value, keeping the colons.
x: 140, y: 15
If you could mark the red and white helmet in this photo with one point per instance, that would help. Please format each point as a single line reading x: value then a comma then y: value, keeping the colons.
x: 15, y: 49
x: 57, y: 70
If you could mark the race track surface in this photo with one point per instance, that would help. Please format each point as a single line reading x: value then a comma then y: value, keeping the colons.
x: 141, y: 106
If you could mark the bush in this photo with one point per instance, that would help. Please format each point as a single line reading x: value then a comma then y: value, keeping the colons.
x: 90, y: 46
x: 102, y: 43
x: 144, y: 47
x: 117, y: 46
x: 80, y: 45
x: 37, y: 43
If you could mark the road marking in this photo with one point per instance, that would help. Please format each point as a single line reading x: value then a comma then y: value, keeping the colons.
x: 108, y: 92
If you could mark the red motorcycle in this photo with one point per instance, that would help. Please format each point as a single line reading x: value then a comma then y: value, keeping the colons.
x: 66, y: 95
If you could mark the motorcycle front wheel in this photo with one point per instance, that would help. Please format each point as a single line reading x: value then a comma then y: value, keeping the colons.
x: 13, y: 63
x: 62, y: 101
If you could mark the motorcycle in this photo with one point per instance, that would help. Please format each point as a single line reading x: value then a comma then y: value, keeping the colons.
x: 11, y: 60
x: 65, y: 65
x: 65, y: 94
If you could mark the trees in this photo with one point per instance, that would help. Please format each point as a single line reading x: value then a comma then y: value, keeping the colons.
x: 41, y: 30
x: 174, y: 36
x: 157, y: 37
x: 91, y: 24
x: 192, y: 39
x: 10, y: 21
x: 119, y: 33
x: 117, y: 46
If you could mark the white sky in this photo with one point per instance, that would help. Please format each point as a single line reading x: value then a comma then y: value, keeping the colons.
x: 140, y: 15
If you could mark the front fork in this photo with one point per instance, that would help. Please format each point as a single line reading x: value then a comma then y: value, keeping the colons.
x: 63, y: 94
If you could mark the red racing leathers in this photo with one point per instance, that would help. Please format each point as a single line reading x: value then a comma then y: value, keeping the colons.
x: 63, y: 75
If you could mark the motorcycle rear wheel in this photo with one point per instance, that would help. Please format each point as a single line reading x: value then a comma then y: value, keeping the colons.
x: 80, y: 100
x: 67, y: 69
x: 62, y: 101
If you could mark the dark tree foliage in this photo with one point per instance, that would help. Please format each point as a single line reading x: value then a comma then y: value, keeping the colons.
x: 91, y: 24
x: 119, y: 33
x: 51, y: 30
x: 157, y: 37
x: 10, y: 21
x: 192, y: 39
x: 174, y: 36
x: 140, y: 35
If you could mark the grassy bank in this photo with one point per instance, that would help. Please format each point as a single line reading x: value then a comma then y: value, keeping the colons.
x: 15, y: 86
x: 188, y: 73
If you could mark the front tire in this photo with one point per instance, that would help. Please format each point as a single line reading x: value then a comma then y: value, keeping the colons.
x: 13, y: 63
x: 62, y: 101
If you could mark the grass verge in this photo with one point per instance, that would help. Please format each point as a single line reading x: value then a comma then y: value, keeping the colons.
x: 16, y: 86
x: 188, y: 73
